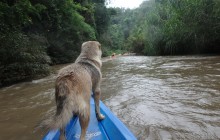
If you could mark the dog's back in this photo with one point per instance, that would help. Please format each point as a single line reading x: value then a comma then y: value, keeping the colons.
x: 72, y: 89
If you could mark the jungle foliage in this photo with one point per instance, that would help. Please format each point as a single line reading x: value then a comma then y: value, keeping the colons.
x: 170, y: 27
x: 37, y: 33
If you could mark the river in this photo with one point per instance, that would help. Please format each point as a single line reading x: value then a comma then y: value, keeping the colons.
x: 158, y: 98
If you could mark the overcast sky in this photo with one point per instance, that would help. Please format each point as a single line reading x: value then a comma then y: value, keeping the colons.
x: 125, y: 3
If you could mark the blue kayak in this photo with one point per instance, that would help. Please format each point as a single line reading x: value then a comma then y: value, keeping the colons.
x: 111, y: 128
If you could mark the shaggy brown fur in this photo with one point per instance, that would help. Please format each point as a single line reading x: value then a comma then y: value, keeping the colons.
x: 73, y: 89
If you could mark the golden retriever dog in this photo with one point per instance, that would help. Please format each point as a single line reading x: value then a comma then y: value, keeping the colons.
x: 73, y: 88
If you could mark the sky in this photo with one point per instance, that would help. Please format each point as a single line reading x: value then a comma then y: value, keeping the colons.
x: 125, y: 3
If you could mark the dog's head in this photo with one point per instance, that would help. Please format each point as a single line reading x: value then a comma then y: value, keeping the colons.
x: 91, y: 50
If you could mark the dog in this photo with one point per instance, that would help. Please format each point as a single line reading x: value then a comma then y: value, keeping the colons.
x: 73, y: 88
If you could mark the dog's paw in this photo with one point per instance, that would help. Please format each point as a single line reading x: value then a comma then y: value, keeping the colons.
x: 62, y: 137
x: 100, y: 117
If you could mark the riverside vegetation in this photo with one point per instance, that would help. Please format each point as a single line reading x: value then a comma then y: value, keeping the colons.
x: 35, y: 34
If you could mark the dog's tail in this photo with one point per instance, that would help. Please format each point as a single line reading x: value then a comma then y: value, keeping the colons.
x: 65, y: 107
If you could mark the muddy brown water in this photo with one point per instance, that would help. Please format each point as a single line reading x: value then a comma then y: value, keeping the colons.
x: 158, y: 98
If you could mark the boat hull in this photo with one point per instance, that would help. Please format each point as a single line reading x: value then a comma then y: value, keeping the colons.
x: 111, y: 128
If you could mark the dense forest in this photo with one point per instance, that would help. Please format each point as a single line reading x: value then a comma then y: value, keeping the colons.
x: 35, y: 34
x: 168, y: 27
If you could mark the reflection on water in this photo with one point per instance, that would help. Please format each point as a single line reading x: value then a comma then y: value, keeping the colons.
x: 158, y: 98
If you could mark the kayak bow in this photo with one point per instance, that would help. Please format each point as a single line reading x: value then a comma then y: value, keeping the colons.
x: 111, y: 128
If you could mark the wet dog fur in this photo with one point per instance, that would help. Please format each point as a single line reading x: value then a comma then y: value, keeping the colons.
x: 73, y: 88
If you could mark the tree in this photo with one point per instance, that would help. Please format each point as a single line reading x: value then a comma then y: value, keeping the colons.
x: 21, y: 56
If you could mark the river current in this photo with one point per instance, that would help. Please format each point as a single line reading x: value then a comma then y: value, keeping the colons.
x: 158, y: 98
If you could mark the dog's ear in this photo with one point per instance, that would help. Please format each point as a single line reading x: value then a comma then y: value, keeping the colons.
x: 99, y: 45
x: 84, y: 44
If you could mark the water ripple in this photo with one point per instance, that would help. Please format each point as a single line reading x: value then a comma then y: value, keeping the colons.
x: 165, y: 97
